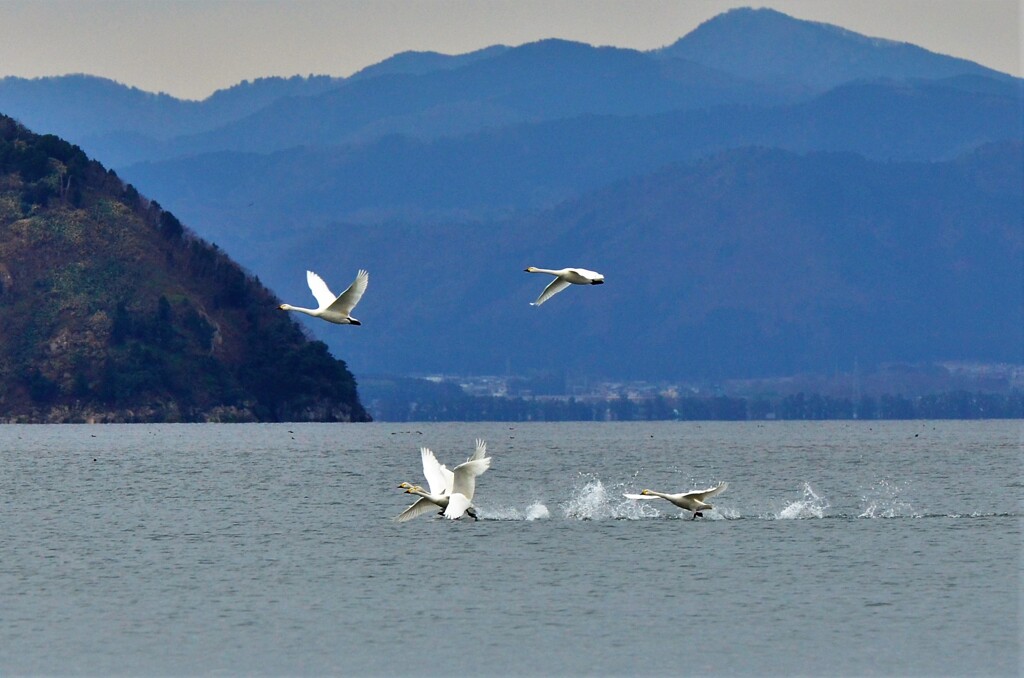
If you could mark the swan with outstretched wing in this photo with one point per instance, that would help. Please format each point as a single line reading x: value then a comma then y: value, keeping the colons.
x: 451, y: 490
x: 691, y: 501
x: 333, y: 309
x: 563, y: 278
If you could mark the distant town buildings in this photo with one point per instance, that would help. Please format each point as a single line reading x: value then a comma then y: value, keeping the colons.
x: 949, y: 390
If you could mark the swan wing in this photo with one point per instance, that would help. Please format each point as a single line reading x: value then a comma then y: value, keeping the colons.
x: 481, y: 449
x: 465, y: 476
x: 419, y: 507
x: 350, y: 297
x: 323, y: 295
x: 449, y: 479
x: 553, y: 288
x: 701, y: 495
x: 457, y: 505
x: 435, y: 472
x: 640, y: 496
x: 588, y: 274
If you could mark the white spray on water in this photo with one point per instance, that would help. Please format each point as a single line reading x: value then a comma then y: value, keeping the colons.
x: 535, y: 511
x: 811, y: 506
x: 882, y: 500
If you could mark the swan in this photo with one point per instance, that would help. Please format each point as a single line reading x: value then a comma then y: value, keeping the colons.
x: 452, y: 490
x: 330, y: 308
x: 691, y: 501
x: 563, y: 278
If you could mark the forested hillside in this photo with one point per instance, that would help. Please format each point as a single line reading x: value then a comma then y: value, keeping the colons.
x: 111, y: 310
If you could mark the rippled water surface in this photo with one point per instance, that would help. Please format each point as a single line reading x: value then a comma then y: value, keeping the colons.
x: 838, y: 549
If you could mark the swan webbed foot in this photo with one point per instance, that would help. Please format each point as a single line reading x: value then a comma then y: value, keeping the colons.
x: 472, y: 512
x: 695, y: 514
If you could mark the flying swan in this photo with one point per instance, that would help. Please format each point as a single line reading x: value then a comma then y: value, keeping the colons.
x: 563, y: 278
x: 691, y: 501
x: 451, y: 490
x: 330, y: 308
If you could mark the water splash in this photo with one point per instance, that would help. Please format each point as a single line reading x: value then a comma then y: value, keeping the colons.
x: 588, y: 502
x: 882, y: 500
x: 811, y: 506
x: 535, y: 511
x: 723, y: 513
x: 591, y: 499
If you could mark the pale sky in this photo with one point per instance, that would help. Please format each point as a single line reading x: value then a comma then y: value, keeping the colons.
x: 189, y: 48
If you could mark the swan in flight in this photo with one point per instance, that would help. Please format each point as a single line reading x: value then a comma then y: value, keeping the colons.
x: 333, y: 309
x: 452, y: 490
x: 691, y: 501
x: 563, y: 278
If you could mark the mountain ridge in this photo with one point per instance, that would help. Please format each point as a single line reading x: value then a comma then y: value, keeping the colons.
x: 531, y: 166
x: 446, y: 176
x: 97, y: 112
x: 436, y: 95
x: 765, y: 44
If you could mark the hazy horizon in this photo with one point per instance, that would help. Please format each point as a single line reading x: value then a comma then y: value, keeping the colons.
x: 190, y: 50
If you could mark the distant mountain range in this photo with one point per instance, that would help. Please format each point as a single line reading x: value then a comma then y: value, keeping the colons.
x: 765, y: 196
x: 521, y: 167
x: 743, y: 57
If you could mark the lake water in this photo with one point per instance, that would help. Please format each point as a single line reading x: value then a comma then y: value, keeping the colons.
x: 852, y: 548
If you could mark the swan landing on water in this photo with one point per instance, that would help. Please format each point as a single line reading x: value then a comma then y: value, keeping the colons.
x: 451, y: 490
x: 563, y: 278
x: 691, y: 501
x: 333, y: 309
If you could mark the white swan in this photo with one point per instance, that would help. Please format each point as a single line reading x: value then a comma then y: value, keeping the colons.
x: 451, y: 490
x: 563, y: 278
x: 333, y: 309
x: 691, y: 501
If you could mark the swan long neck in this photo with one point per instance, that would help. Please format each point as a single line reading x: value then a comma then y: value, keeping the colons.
x: 534, y: 269
x: 656, y: 494
x: 289, y: 307
x: 436, y: 498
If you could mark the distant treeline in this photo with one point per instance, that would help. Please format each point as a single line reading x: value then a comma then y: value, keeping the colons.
x: 800, y: 406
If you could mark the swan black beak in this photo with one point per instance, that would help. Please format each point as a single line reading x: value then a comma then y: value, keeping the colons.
x: 353, y: 321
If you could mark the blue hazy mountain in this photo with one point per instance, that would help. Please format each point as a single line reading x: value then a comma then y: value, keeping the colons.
x: 768, y: 46
x: 766, y: 196
x: 748, y: 262
x: 123, y: 124
x: 734, y: 58
x: 546, y: 80
x: 418, y: 63
x: 531, y: 166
